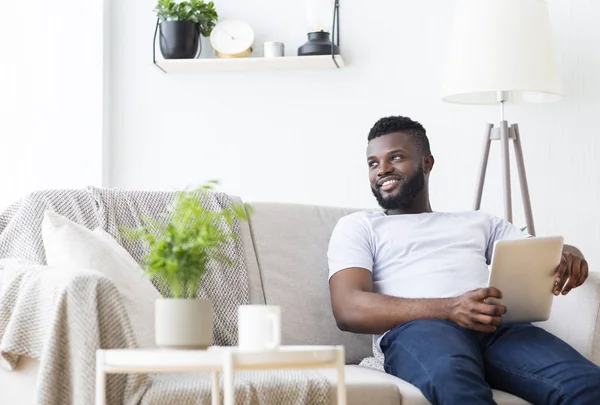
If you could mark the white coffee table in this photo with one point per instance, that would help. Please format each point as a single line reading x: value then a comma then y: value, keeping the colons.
x: 215, y: 360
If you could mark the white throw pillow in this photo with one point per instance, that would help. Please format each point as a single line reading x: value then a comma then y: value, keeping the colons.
x: 69, y: 244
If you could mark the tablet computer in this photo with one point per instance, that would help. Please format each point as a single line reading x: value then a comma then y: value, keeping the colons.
x: 524, y: 271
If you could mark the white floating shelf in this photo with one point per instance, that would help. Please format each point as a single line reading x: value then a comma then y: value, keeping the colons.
x: 203, y: 65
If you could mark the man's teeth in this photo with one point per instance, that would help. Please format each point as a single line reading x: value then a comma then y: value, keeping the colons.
x: 387, y: 182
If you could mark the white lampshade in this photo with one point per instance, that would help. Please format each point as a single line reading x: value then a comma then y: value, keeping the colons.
x: 502, y: 45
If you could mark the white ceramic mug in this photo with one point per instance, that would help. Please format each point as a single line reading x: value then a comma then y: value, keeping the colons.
x: 259, y: 327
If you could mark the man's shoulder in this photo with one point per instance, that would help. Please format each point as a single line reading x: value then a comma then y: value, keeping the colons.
x: 492, y: 219
x: 476, y: 218
x: 493, y: 223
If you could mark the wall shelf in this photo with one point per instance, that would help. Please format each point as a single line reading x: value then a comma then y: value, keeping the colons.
x: 203, y: 65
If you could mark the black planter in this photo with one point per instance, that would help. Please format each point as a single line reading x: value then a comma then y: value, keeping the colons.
x: 318, y: 43
x: 179, y: 39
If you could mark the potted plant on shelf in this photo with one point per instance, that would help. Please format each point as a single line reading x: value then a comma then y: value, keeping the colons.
x: 181, y: 247
x: 181, y: 24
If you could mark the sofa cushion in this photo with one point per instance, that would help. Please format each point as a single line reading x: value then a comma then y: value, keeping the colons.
x: 291, y: 243
x: 70, y: 245
x: 366, y: 386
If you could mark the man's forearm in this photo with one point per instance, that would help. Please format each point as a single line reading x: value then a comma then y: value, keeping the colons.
x: 374, y: 313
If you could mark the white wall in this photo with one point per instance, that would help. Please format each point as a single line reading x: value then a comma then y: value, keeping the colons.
x: 300, y: 136
x: 51, y: 94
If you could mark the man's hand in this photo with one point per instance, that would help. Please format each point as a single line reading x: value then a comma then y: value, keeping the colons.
x: 571, y: 272
x: 470, y: 310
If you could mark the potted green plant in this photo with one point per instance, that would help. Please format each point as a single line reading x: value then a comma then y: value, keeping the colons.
x: 181, y: 24
x: 181, y: 245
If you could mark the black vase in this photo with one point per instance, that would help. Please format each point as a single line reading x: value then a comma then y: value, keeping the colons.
x: 318, y: 43
x: 179, y: 39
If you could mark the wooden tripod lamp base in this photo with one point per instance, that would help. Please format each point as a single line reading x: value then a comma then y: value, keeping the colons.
x: 505, y: 134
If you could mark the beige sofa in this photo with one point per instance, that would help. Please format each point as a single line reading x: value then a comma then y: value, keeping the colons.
x: 285, y: 248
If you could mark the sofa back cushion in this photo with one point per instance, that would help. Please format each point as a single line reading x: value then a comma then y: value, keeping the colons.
x: 291, y: 242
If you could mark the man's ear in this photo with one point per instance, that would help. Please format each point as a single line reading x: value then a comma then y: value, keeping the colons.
x: 428, y: 162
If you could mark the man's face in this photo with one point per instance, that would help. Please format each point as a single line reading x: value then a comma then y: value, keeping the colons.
x: 395, y: 170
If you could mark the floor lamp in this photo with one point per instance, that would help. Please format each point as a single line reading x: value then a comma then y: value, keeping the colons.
x: 502, y: 51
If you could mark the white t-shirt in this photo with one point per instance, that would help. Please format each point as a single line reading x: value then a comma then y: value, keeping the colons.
x: 428, y: 255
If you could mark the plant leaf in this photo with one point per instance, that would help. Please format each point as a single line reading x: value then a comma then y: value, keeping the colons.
x: 185, y: 240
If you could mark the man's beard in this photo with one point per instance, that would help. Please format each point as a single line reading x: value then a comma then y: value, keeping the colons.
x: 408, y: 192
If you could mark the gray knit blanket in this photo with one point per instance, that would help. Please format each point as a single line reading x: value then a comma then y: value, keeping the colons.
x: 61, y: 317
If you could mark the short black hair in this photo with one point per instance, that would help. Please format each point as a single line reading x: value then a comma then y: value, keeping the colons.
x: 389, y: 125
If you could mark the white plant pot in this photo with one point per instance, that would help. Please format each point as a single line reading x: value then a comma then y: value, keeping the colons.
x: 183, y: 323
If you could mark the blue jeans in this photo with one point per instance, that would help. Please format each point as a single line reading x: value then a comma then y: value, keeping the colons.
x: 452, y: 365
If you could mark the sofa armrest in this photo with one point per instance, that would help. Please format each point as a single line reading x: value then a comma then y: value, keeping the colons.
x: 575, y: 318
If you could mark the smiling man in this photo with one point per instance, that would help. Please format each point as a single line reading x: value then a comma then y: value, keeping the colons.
x: 415, y: 278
